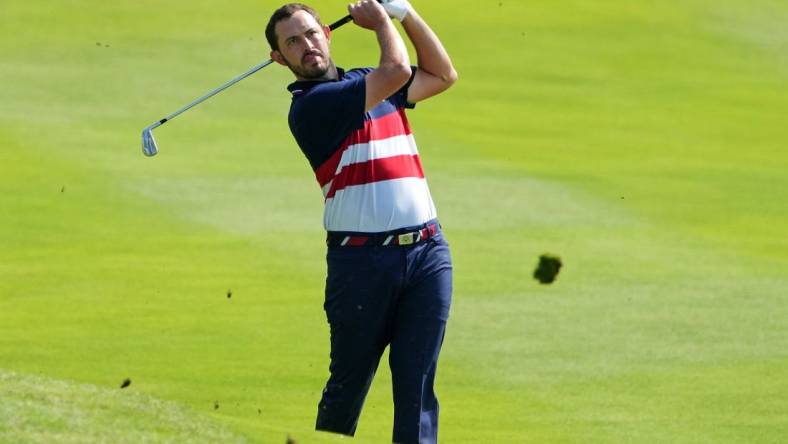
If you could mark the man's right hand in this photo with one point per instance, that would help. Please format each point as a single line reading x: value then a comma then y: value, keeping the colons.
x: 368, y: 14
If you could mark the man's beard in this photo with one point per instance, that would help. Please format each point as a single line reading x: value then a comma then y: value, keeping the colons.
x: 315, y: 72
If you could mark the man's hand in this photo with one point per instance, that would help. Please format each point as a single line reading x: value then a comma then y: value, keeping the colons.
x: 368, y: 14
x: 397, y: 9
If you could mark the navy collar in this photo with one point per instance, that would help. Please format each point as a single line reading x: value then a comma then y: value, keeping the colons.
x: 301, y: 86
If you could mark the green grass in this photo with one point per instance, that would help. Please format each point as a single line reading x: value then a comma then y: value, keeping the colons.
x: 643, y: 142
x: 42, y: 410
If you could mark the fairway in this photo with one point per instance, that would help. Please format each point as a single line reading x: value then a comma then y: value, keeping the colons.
x: 643, y: 142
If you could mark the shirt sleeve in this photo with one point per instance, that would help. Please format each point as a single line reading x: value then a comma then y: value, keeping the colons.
x: 400, y: 98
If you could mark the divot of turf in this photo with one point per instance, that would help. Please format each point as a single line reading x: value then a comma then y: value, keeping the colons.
x: 36, y: 409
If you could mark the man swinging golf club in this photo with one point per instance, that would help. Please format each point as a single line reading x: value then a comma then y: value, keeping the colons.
x: 389, y: 270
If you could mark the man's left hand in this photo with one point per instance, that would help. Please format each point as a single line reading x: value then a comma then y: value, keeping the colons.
x: 397, y: 9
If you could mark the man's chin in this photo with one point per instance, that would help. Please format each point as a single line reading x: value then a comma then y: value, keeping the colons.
x: 313, y: 73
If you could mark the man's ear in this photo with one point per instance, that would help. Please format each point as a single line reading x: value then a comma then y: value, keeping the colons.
x: 327, y: 32
x: 277, y: 57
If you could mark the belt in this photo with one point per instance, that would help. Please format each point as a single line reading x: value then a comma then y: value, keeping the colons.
x: 392, y: 238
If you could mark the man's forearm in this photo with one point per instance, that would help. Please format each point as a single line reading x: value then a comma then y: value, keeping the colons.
x: 432, y: 56
x: 393, y: 53
x: 393, y: 70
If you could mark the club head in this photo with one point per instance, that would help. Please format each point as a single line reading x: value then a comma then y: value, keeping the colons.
x: 148, y: 142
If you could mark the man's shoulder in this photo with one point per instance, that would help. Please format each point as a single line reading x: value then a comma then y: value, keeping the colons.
x: 311, y: 96
x: 323, y: 113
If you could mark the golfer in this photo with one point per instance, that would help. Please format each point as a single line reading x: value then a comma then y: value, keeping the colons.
x: 389, y: 277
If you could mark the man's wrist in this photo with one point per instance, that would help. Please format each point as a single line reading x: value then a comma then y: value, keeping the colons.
x: 384, y: 25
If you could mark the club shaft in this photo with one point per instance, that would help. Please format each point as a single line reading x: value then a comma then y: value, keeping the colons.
x: 217, y: 90
x: 340, y: 22
x: 232, y: 82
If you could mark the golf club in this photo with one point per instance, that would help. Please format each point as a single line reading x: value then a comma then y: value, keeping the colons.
x: 149, y: 147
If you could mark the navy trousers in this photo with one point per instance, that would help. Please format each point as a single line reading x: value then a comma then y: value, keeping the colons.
x: 378, y: 296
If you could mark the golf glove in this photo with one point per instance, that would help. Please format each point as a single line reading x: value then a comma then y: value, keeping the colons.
x: 397, y: 9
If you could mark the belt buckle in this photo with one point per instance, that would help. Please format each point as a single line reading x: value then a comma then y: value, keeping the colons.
x: 406, y: 239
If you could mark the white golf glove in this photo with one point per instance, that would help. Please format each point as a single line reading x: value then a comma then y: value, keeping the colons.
x: 397, y: 9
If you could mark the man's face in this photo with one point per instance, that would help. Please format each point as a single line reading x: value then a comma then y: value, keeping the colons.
x: 303, y: 46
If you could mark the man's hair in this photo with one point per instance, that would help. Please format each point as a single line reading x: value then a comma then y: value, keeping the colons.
x: 284, y: 13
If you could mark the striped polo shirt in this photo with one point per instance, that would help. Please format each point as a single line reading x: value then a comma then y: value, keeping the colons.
x: 366, y: 163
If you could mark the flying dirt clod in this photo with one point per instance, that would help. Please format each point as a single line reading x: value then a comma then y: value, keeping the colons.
x: 547, y: 269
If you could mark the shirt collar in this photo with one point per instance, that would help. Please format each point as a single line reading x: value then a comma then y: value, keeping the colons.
x: 301, y: 86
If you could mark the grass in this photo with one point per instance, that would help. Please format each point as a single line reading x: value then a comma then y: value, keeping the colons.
x: 643, y: 143
x: 42, y: 410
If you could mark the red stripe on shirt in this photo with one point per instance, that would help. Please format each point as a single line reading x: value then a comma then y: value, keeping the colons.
x: 377, y: 170
x: 391, y: 125
x: 328, y: 169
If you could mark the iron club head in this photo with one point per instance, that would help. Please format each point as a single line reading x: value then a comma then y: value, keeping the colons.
x: 148, y: 142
